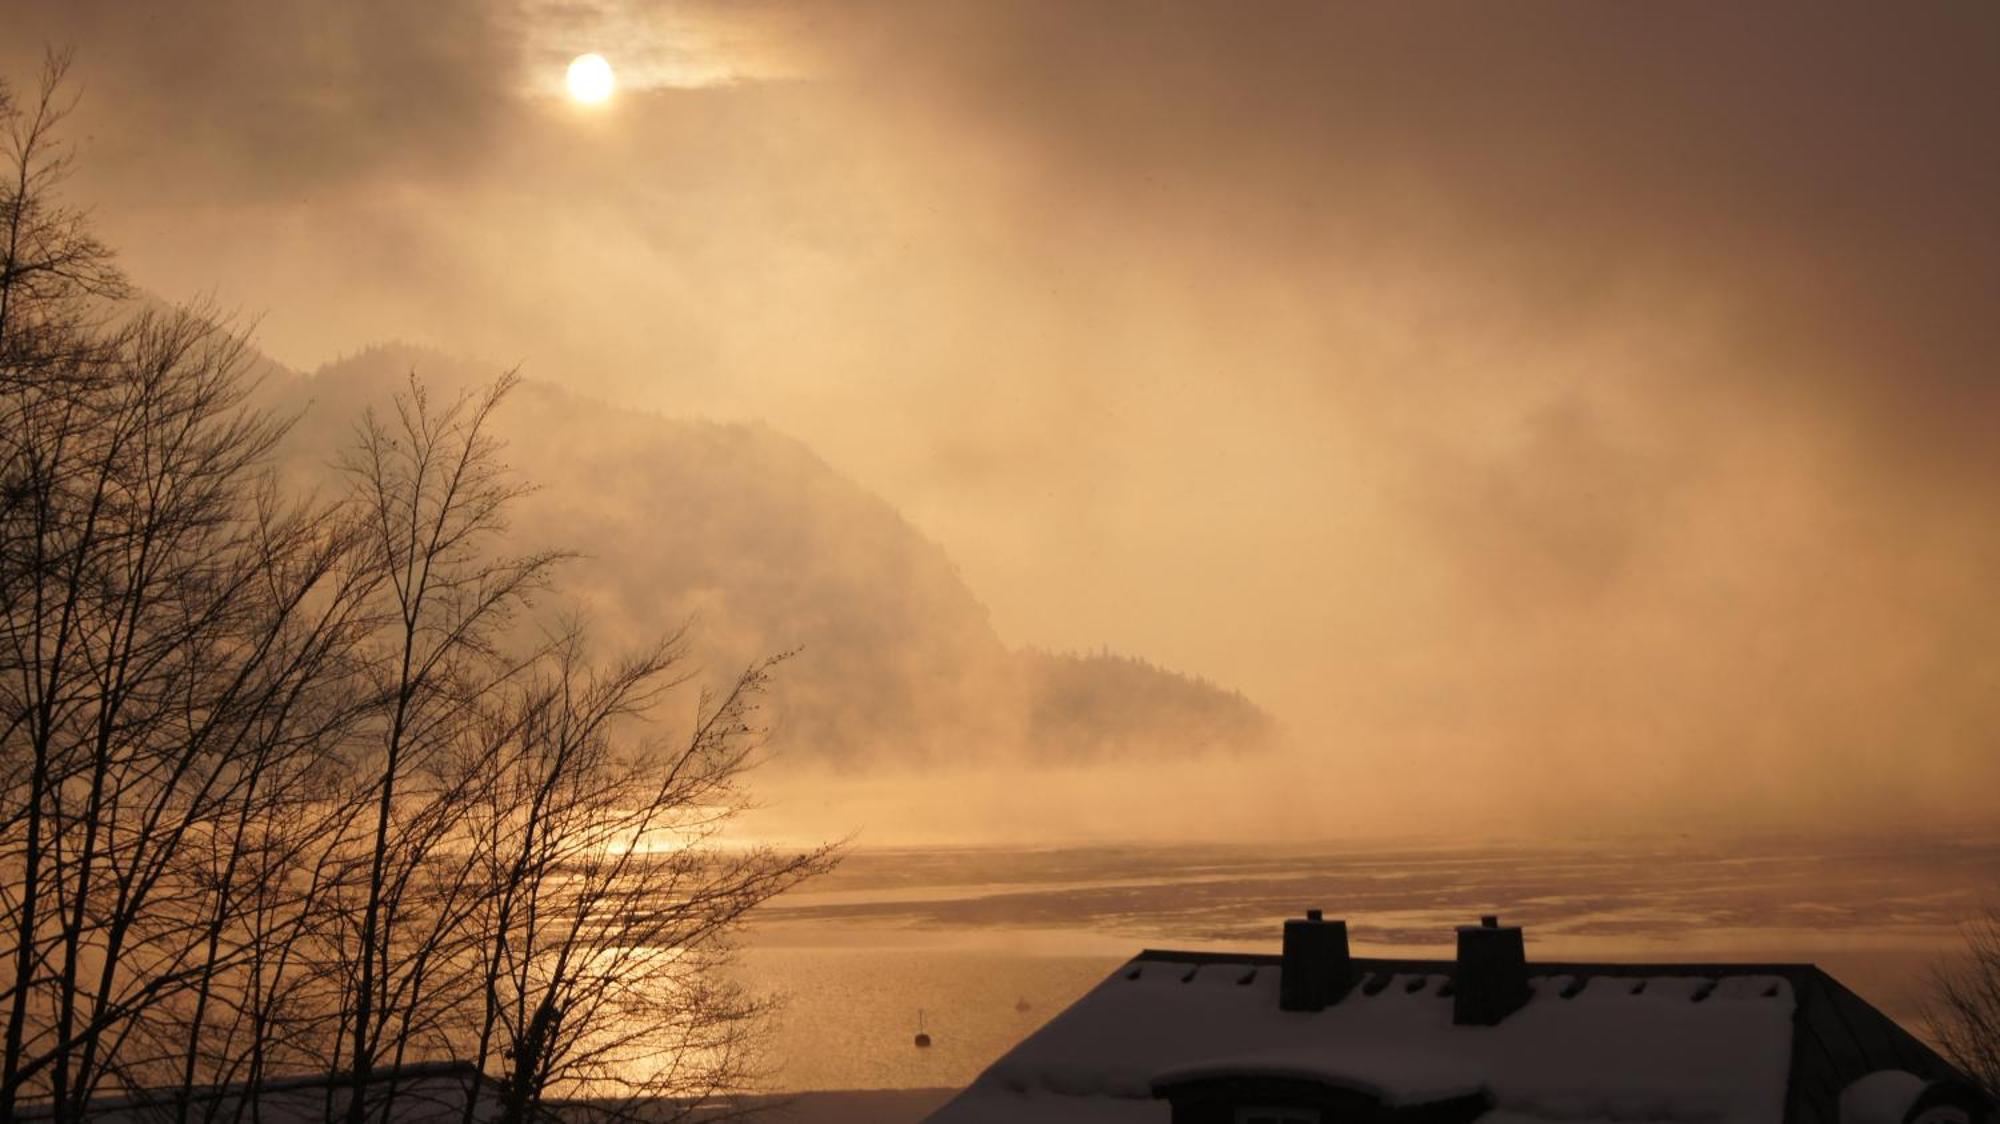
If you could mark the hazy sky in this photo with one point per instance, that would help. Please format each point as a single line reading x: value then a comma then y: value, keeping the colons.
x: 1588, y: 399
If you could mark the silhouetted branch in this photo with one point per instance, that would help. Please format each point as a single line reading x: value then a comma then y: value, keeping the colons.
x: 1962, y: 1012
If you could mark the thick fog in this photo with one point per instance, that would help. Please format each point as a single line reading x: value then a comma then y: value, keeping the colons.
x: 1554, y: 416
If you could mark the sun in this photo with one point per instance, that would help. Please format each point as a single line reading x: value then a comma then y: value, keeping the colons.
x: 589, y: 79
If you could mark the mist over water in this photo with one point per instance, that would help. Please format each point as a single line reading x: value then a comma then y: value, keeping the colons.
x: 991, y: 942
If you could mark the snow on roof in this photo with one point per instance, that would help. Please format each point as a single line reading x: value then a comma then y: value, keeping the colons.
x: 1585, y: 1047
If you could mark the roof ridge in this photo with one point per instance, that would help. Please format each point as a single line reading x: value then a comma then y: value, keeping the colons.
x: 1535, y: 967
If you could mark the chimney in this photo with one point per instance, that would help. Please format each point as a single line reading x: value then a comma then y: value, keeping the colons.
x: 1492, y: 980
x: 1316, y: 971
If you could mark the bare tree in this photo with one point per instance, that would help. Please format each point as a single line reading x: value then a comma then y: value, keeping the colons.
x: 50, y: 263
x: 609, y: 912
x: 538, y: 853
x: 431, y: 494
x: 293, y: 787
x: 168, y: 623
x: 1962, y: 1012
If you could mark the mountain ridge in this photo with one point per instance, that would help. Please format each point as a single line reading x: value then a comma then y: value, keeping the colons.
x: 766, y: 547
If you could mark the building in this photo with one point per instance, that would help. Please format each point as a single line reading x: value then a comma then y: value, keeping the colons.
x: 1317, y: 1036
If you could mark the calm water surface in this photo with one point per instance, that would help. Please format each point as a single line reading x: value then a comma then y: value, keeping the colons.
x: 989, y: 943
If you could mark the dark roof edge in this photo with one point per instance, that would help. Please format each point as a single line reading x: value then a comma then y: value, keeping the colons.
x: 1535, y: 967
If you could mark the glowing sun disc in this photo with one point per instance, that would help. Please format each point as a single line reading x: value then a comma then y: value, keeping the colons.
x: 589, y: 79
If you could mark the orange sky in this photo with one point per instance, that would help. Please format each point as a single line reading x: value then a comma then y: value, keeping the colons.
x: 1567, y: 400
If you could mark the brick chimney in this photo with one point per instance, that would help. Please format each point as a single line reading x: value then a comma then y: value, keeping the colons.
x: 1492, y: 978
x: 1316, y: 971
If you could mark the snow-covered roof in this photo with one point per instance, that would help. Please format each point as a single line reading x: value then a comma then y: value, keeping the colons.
x: 1673, y: 1046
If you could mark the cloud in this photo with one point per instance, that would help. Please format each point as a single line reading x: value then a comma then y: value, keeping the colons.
x: 1562, y: 396
x: 233, y: 103
x: 673, y: 44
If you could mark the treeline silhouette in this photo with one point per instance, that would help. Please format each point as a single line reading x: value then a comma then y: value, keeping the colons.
x: 1110, y: 705
x: 300, y: 782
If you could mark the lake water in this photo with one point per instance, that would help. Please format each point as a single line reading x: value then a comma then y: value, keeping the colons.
x: 989, y: 943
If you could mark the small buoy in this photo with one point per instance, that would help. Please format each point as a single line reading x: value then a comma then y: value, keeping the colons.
x: 923, y: 1040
